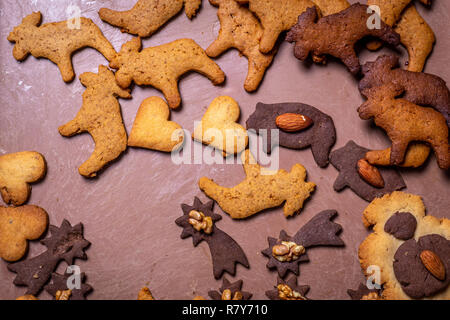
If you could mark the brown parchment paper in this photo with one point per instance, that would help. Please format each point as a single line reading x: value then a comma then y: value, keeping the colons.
x: 129, y: 211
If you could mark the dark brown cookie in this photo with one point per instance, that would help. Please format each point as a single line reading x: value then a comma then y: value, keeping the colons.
x: 299, y: 292
x: 401, y: 225
x: 320, y: 136
x: 225, y: 252
x: 364, y: 293
x: 336, y: 35
x: 65, y: 243
x: 234, y: 291
x: 319, y: 231
x: 59, y: 283
x: 417, y: 87
x: 416, y: 281
x: 345, y: 160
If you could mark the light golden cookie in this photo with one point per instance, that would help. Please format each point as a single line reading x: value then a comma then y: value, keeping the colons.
x: 147, y: 16
x: 276, y: 16
x: 17, y: 226
x: 58, y: 41
x: 17, y: 170
x: 27, y: 297
x: 415, y: 156
x: 399, y: 223
x: 152, y: 128
x: 101, y: 117
x: 162, y: 66
x: 417, y: 36
x: 240, y: 29
x: 328, y: 7
x: 261, y: 190
x: 219, y: 127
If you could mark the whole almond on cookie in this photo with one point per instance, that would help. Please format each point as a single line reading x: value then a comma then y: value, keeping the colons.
x: 369, y: 173
x: 433, y: 263
x: 293, y: 122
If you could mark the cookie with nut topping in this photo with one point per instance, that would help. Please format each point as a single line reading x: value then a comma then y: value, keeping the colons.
x: 288, y: 290
x: 411, y: 249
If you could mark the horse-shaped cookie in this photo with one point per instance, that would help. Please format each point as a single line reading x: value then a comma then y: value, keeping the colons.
x: 58, y: 41
x: 100, y: 115
x: 162, y: 66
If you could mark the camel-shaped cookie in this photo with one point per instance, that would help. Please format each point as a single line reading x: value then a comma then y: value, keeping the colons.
x: 57, y: 41
x: 401, y: 232
x: 417, y: 87
x: 101, y: 117
x: 152, y: 128
x: 240, y: 29
x: 147, y: 16
x: 336, y: 35
x: 162, y: 66
x: 219, y: 127
x: 405, y: 122
x: 17, y: 171
x: 261, y: 190
x: 17, y: 226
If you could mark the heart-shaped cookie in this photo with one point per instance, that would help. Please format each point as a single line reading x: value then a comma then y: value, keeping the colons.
x: 17, y: 170
x: 219, y: 128
x: 17, y: 225
x: 152, y: 128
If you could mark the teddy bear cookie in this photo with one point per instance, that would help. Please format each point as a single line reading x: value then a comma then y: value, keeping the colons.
x: 101, y: 117
x: 163, y: 65
x: 299, y: 126
x: 219, y: 128
x: 336, y: 35
x: 240, y: 29
x: 411, y: 249
x: 58, y: 41
x: 261, y: 189
x: 17, y: 171
x: 147, y: 16
x: 152, y: 128
x: 17, y: 226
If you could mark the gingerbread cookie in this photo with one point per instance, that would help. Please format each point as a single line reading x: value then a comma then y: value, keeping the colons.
x: 261, y: 190
x: 345, y: 161
x: 199, y: 222
x: 320, y: 136
x: 240, y: 29
x: 276, y: 16
x: 147, y: 16
x: 415, y: 156
x: 17, y: 226
x: 328, y: 7
x: 219, y: 128
x: 336, y: 35
x: 288, y: 290
x: 152, y: 128
x: 405, y: 122
x: 286, y: 253
x: 65, y: 243
x: 17, y: 171
x: 163, y: 65
x: 27, y: 297
x: 417, y: 36
x: 58, y: 41
x: 411, y: 249
x: 57, y: 287
x: 420, y: 88
x: 101, y: 117
x: 230, y: 291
